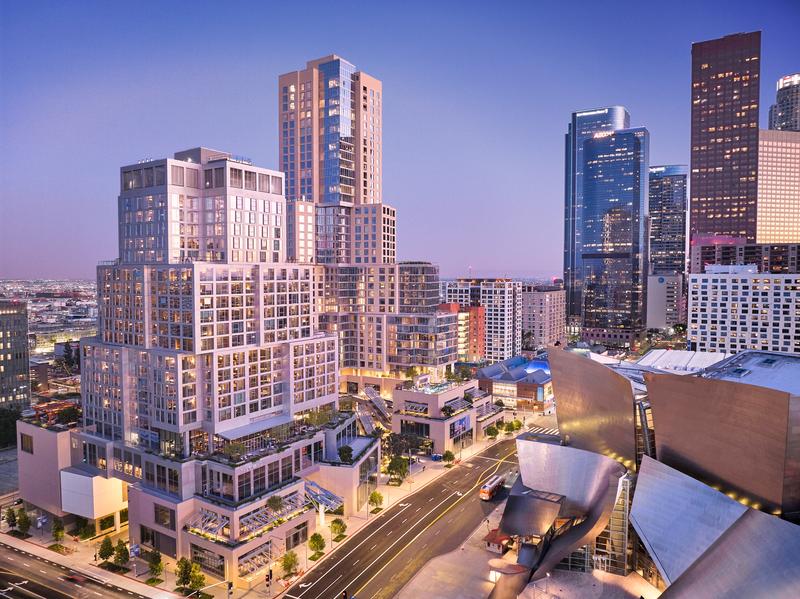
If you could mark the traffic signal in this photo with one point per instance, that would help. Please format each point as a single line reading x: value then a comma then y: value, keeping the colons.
x: 270, y: 574
x: 344, y: 594
x: 230, y: 588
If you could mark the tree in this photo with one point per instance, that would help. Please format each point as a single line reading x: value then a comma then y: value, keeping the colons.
x: 183, y: 572
x: 378, y: 432
x: 448, y: 457
x: 197, y: 580
x: 23, y: 521
x: 396, y: 444
x: 58, y: 531
x: 106, y: 549
x: 121, y: 554
x: 289, y: 562
x: 491, y: 432
x: 468, y: 396
x: 398, y: 467
x: 11, y: 517
x: 70, y: 414
x: 346, y: 454
x: 8, y: 426
x: 376, y: 499
x: 316, y: 542
x: 275, y: 503
x: 408, y: 384
x: 499, y: 403
x: 517, y: 425
x: 509, y: 428
x: 155, y: 563
x: 447, y: 411
x: 465, y: 372
x: 69, y: 356
x: 338, y: 527
x: 234, y: 449
x: 411, y: 372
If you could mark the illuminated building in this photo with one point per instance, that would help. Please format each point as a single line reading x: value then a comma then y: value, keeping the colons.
x: 613, y: 261
x: 584, y: 124
x: 471, y: 331
x: 330, y: 146
x: 724, y: 135
x: 784, y: 115
x: 778, y: 214
x: 544, y: 316
x: 666, y: 305
x: 15, y: 389
x: 502, y: 302
x: 668, y: 205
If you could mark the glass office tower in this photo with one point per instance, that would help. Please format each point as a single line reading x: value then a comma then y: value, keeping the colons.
x: 668, y: 218
x: 784, y: 115
x: 614, y: 236
x: 585, y: 123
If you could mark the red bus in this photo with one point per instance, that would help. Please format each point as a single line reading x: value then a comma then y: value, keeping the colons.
x: 491, y: 487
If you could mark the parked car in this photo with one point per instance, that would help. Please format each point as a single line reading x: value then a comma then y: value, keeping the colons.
x: 436, y: 457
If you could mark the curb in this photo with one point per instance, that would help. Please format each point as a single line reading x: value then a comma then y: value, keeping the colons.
x: 135, y: 580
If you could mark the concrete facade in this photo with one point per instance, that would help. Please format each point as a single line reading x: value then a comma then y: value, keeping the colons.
x: 544, y: 314
x: 665, y: 305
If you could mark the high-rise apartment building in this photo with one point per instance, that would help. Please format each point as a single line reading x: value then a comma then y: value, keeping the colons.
x: 614, y: 237
x: 668, y: 205
x: 544, y: 315
x: 15, y: 391
x: 206, y: 389
x: 471, y: 331
x: 784, y: 115
x: 502, y: 303
x: 584, y: 125
x: 330, y: 147
x: 778, y: 210
x: 724, y: 135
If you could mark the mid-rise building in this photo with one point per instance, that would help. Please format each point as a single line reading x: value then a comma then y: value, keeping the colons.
x: 544, y: 314
x: 668, y: 206
x: 614, y: 237
x: 665, y: 301
x: 471, y: 331
x: 778, y: 211
x: 724, y: 135
x: 209, y: 387
x: 584, y: 125
x: 724, y: 250
x: 733, y: 308
x: 784, y: 115
x: 330, y: 146
x: 502, y: 302
x: 15, y: 391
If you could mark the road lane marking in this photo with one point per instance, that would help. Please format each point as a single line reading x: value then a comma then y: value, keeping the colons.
x: 358, y: 560
x: 373, y: 547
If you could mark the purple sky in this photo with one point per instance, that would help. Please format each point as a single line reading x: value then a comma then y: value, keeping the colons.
x: 477, y: 101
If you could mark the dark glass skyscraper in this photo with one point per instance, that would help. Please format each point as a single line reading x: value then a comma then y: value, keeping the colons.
x: 614, y: 239
x: 668, y: 218
x: 585, y: 123
x: 724, y: 155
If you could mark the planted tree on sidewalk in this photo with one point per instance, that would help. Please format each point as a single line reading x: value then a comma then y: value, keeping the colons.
x: 11, y: 517
x: 183, y: 572
x: 316, y: 543
x: 376, y: 499
x: 517, y: 425
x: 338, y: 526
x: 492, y: 432
x: 106, y: 549
x: 197, y: 580
x: 58, y: 529
x: 448, y: 457
x: 509, y: 428
x: 155, y: 563
x: 121, y: 554
x: 398, y: 467
x: 23, y: 521
x: 289, y: 562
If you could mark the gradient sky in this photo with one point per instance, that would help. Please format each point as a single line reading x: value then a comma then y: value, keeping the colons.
x: 477, y: 100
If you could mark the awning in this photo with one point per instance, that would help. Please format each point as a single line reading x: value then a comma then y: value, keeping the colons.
x: 256, y: 427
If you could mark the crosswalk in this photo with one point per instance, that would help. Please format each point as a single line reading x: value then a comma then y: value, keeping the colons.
x: 538, y: 430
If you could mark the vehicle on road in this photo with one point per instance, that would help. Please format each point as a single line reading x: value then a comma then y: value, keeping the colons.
x: 436, y: 457
x: 74, y: 578
x: 492, y: 487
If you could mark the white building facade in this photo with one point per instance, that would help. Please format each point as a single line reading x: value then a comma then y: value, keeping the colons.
x: 544, y: 314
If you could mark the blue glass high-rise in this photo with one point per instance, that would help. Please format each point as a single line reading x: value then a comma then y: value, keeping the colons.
x: 338, y: 160
x: 614, y: 236
x: 585, y: 123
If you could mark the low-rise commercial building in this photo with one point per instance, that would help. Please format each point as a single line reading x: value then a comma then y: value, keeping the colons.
x: 521, y: 383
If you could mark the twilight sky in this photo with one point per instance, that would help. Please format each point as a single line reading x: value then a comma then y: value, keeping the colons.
x: 478, y: 96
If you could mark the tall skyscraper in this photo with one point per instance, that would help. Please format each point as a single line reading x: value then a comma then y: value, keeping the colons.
x: 668, y: 218
x: 778, y: 210
x: 15, y: 391
x: 502, y: 303
x: 724, y: 135
x: 585, y: 123
x: 330, y: 147
x: 784, y: 115
x: 614, y: 238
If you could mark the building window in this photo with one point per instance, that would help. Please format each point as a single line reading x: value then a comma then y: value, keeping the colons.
x: 26, y: 443
x: 164, y: 516
x: 236, y: 177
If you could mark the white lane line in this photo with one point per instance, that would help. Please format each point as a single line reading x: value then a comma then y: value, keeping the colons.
x: 327, y: 587
x: 26, y: 565
x: 399, y: 513
x: 373, y: 547
x: 358, y: 560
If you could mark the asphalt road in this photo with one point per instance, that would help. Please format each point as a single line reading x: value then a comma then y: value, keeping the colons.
x: 26, y: 576
x: 386, y: 553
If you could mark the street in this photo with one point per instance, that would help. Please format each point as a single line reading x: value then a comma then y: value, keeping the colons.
x: 24, y: 575
x: 383, y: 556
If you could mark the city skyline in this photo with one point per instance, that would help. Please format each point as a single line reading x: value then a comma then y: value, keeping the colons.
x: 83, y: 101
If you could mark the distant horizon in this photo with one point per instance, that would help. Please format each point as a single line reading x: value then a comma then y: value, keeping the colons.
x: 473, y: 140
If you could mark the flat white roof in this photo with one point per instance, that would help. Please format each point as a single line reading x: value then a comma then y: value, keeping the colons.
x: 681, y: 361
x: 770, y: 370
